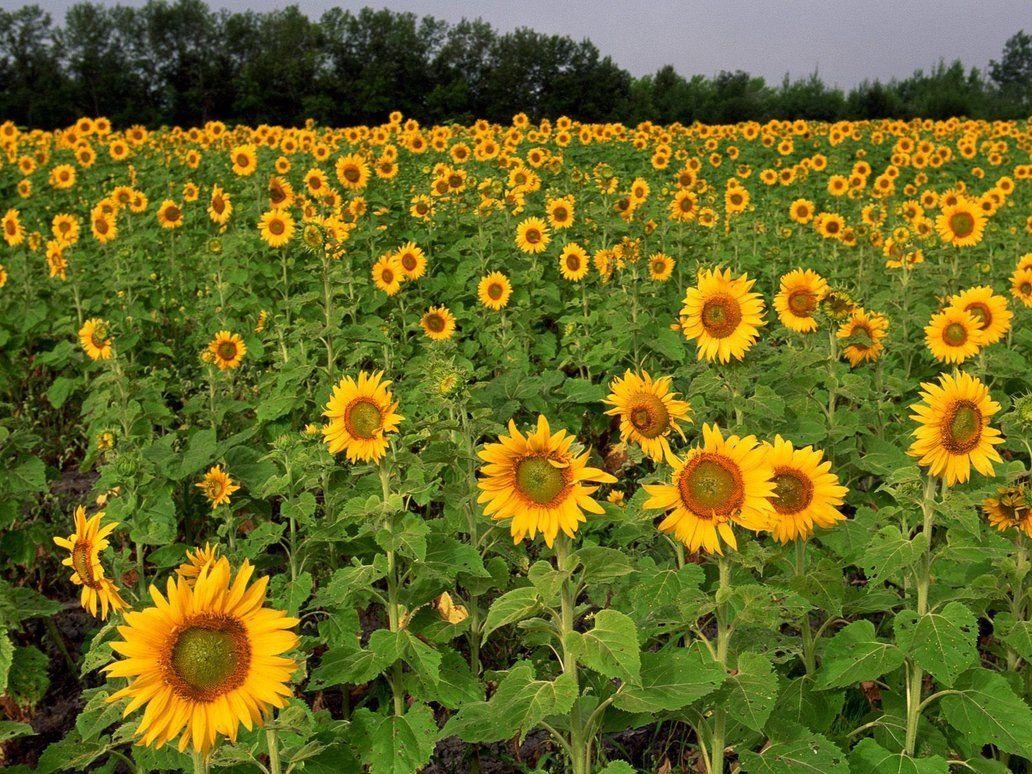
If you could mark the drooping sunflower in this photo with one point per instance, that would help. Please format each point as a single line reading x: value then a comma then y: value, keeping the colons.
x: 412, y: 260
x: 574, y: 262
x: 648, y: 412
x: 806, y: 492
x: 93, y: 335
x: 802, y: 291
x: 539, y: 482
x: 532, y: 236
x: 197, y: 560
x: 276, y: 227
x: 953, y: 433
x: 661, y: 267
x: 1012, y: 507
x: 721, y: 315
x: 84, y: 547
x: 217, y: 486
x: 1021, y: 286
x: 360, y: 415
x: 438, y: 323
x: 494, y: 290
x: 387, y: 274
x: 227, y: 350
x: 961, y: 224
x: 205, y: 659
x: 725, y: 481
x: 994, y: 318
x: 953, y: 335
x: 170, y: 215
x: 861, y: 336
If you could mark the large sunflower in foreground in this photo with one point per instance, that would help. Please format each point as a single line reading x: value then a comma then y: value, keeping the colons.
x: 205, y: 659
x: 360, y: 414
x: 961, y: 224
x: 725, y: 481
x: 227, y: 350
x: 953, y: 433
x: 953, y: 335
x: 721, y: 315
x: 84, y: 547
x: 648, y: 412
x: 93, y: 335
x: 806, y: 492
x: 539, y: 482
x: 801, y: 293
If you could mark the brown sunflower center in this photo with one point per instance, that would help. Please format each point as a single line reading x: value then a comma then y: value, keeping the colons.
x: 533, y: 236
x: 363, y: 418
x: 573, y: 262
x: 802, y: 302
x: 82, y: 565
x: 962, y: 224
x: 435, y: 322
x: 209, y: 658
x: 387, y: 276
x: 735, y: 199
x: 710, y: 486
x: 172, y: 213
x: 495, y: 291
x: 559, y: 214
x: 243, y: 160
x: 218, y: 204
x: 352, y: 174
x: 832, y: 226
x: 408, y: 261
x: 721, y: 316
x: 1025, y: 288
x: 276, y: 227
x: 539, y: 480
x: 955, y: 334
x: 226, y: 350
x: 982, y: 313
x: 100, y: 225
x: 962, y: 429
x: 649, y: 415
x: 793, y: 491
x: 10, y: 227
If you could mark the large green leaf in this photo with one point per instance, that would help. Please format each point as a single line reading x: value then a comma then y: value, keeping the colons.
x: 855, y: 654
x: 671, y: 679
x: 868, y: 757
x: 807, y: 753
x: 942, y: 642
x: 750, y: 691
x: 510, y: 607
x: 986, y: 709
x: 610, y: 647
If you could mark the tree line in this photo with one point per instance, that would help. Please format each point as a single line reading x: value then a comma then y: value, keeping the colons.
x: 183, y: 63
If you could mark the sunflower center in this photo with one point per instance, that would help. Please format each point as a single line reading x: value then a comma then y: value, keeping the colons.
x: 435, y: 323
x: 962, y: 223
x: 710, y: 485
x: 82, y: 565
x: 218, y: 204
x: 721, y: 316
x: 649, y: 416
x: 387, y: 276
x: 100, y: 225
x: 351, y: 174
x: 276, y: 227
x: 494, y: 291
x: 97, y: 340
x: 981, y: 313
x: 802, y: 302
x: 962, y: 429
x: 573, y: 262
x: 793, y: 491
x: 408, y: 261
x: 559, y: 214
x: 955, y: 335
x: 242, y: 160
x: 172, y: 213
x: 1025, y: 288
x: 11, y: 228
x: 209, y: 658
x: 227, y: 350
x: 363, y: 419
x: 539, y: 480
x: 533, y: 236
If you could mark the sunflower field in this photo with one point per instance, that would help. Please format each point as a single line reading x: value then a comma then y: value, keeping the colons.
x: 505, y: 448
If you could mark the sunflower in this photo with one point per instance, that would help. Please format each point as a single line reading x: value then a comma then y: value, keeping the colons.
x: 360, y: 416
x: 661, y: 267
x: 220, y: 207
x: 953, y: 335
x: 829, y: 225
x: 801, y: 293
x: 1010, y: 508
x: 244, y: 159
x: 197, y: 560
x: 806, y: 492
x: 801, y: 211
x: 684, y: 206
x: 532, y: 236
x: 438, y: 323
x: 93, y: 335
x: 494, y: 290
x: 387, y: 274
x: 539, y: 482
x: 65, y: 229
x: 648, y: 411
x: 227, y: 350
x: 574, y: 262
x: 990, y: 310
x: 722, y: 315
x: 84, y: 547
x: 412, y: 261
x: 170, y: 214
x: 217, y: 486
x: 204, y: 659
x: 736, y: 199
x: 13, y: 230
x: 861, y: 336
x: 276, y: 227
x: 1021, y: 285
x: 961, y: 224
x: 3, y: 275
x: 560, y: 212
x: 352, y: 172
x: 722, y: 482
x: 953, y: 433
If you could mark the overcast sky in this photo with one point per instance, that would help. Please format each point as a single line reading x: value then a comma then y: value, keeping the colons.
x: 846, y: 41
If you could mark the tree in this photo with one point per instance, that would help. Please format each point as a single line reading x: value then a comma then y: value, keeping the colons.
x: 1012, y: 75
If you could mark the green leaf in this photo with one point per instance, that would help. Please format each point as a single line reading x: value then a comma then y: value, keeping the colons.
x: 360, y: 665
x: 868, y: 757
x: 10, y: 729
x: 671, y: 679
x: 199, y: 452
x: 807, y: 753
x: 583, y: 391
x: 510, y: 607
x: 750, y: 691
x: 610, y: 648
x: 397, y: 744
x: 942, y: 643
x: 30, y: 476
x: 60, y: 390
x: 987, y: 710
x: 618, y: 767
x: 424, y: 660
x: 29, y: 676
x: 6, y: 659
x: 602, y: 564
x: 855, y: 654
x: 888, y: 552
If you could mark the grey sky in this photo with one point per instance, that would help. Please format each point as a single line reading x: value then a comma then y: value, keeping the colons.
x: 845, y: 40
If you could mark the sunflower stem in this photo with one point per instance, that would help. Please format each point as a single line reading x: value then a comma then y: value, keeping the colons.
x: 272, y: 740
x: 393, y: 611
x: 200, y: 762
x: 808, y: 643
x: 579, y: 747
x: 723, y: 637
x: 915, y: 674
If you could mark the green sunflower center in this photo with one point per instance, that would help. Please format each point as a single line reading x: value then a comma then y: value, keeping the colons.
x: 364, y: 419
x: 210, y: 657
x: 955, y: 335
x: 649, y: 415
x: 962, y: 224
x: 963, y: 428
x: 793, y: 491
x: 721, y: 316
x: 711, y: 486
x: 539, y: 480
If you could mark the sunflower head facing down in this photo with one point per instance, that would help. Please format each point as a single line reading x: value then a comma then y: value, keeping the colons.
x: 722, y: 315
x: 800, y: 296
x: 538, y: 482
x: 217, y: 486
x: 953, y: 433
x: 93, y: 335
x: 648, y: 412
x: 360, y: 415
x: 989, y: 309
x: 723, y: 482
x: 84, y: 547
x: 806, y: 492
x: 438, y: 323
x: 205, y: 659
x: 861, y: 336
x: 1011, y: 508
x: 227, y: 350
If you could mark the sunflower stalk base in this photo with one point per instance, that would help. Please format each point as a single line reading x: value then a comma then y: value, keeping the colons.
x: 915, y: 674
x: 717, y: 741
x: 579, y: 741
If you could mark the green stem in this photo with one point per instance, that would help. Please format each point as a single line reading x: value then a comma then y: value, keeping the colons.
x: 915, y: 674
x: 723, y: 638
x: 807, y: 632
x: 393, y: 609
x: 579, y: 747
x: 274, y: 757
x: 200, y: 763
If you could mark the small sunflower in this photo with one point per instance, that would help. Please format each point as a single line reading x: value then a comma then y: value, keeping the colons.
x: 801, y: 293
x: 953, y: 335
x: 387, y: 274
x: 806, y: 492
x: 227, y: 350
x: 494, y: 290
x: 801, y: 211
x: 861, y: 336
x: 197, y: 560
x: 574, y: 262
x: 1021, y: 285
x: 539, y: 482
x: 220, y: 207
x: 13, y: 230
x: 352, y: 171
x: 170, y: 215
x: 360, y: 415
x: 953, y: 433
x: 961, y: 224
x: 412, y: 261
x: 532, y: 236
x: 438, y: 323
x: 244, y: 159
x: 276, y: 227
x: 560, y: 212
x: 725, y: 481
x: 648, y: 412
x: 1011, y: 508
x: 722, y: 316
x: 93, y: 335
x: 205, y: 659
x: 661, y: 267
x: 84, y: 547
x: 217, y: 486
